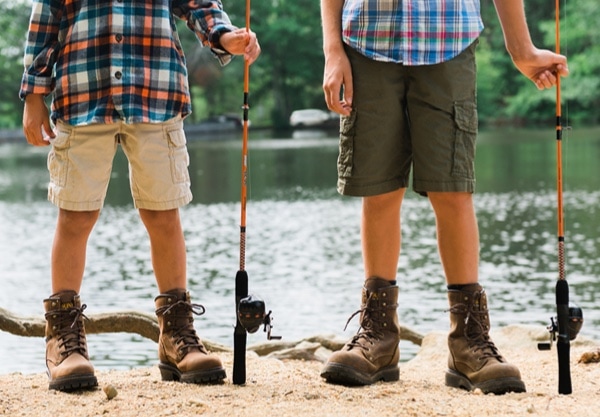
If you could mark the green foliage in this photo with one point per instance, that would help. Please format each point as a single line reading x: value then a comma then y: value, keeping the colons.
x: 290, y: 70
x: 13, y: 21
x: 288, y: 74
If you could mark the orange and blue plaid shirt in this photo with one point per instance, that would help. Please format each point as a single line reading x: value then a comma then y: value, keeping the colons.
x: 413, y: 32
x: 115, y: 60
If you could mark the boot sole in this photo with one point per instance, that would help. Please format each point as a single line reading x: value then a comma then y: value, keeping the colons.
x: 74, y: 383
x: 497, y: 386
x: 205, y: 376
x: 336, y: 373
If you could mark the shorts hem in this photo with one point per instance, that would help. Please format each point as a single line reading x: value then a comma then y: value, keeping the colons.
x: 370, y: 190
x: 74, y: 205
x: 162, y: 205
x: 423, y: 187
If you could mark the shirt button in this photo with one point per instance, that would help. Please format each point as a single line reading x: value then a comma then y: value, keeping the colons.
x: 118, y: 75
x: 119, y: 37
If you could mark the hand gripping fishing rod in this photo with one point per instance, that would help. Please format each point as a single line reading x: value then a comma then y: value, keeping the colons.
x: 250, y: 311
x: 568, y: 319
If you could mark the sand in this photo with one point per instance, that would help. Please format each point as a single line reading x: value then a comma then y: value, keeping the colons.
x: 289, y: 387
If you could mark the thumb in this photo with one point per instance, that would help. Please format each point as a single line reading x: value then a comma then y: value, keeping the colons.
x: 48, y: 129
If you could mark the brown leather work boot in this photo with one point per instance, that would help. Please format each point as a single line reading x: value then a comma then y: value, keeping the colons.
x: 182, y: 355
x: 372, y: 354
x: 67, y: 360
x: 474, y: 361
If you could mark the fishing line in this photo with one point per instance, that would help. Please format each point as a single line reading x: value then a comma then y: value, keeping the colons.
x: 250, y: 310
x: 567, y: 323
x: 566, y: 127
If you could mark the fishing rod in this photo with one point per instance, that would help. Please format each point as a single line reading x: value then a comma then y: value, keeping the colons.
x: 568, y: 319
x: 250, y: 310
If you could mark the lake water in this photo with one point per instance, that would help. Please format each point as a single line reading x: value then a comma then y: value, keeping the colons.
x: 303, y: 250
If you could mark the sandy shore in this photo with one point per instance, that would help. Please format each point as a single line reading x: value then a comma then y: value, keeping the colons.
x: 293, y: 388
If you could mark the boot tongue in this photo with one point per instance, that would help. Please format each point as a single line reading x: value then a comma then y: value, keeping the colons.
x: 180, y: 295
x: 67, y: 300
x: 374, y: 284
x: 480, y: 301
x: 478, y: 320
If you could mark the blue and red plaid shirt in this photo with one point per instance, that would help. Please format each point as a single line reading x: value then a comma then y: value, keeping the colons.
x: 414, y: 32
x: 110, y: 60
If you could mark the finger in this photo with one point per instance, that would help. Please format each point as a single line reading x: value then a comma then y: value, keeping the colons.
x: 49, y: 132
x: 34, y: 137
x: 252, y: 51
x: 542, y: 81
x: 335, y: 104
x: 331, y: 103
x: 348, y: 90
x: 562, y: 70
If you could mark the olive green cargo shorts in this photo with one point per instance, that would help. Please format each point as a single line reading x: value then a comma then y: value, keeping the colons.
x: 403, y: 117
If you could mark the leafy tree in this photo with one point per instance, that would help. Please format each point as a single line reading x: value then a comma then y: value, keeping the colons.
x: 13, y: 21
x: 288, y: 75
x: 290, y: 70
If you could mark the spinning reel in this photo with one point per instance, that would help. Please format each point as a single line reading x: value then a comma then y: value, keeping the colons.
x: 251, y: 315
x: 574, y: 325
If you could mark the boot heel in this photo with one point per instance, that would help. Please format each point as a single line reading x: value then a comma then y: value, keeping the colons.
x: 390, y: 375
x: 169, y: 373
x: 456, y: 380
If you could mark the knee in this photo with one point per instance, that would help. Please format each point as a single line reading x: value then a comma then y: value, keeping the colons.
x: 160, y: 219
x: 77, y: 221
x: 454, y: 201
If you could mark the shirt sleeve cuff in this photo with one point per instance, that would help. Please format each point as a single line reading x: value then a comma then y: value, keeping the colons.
x: 31, y: 84
x: 214, y: 39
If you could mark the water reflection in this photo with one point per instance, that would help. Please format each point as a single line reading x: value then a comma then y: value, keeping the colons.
x: 303, y: 250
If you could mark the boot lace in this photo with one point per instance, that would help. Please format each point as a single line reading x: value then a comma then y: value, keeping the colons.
x: 369, y: 330
x: 184, y: 334
x: 476, y: 332
x: 72, y: 336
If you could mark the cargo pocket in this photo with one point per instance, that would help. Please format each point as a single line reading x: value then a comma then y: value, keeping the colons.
x: 179, y: 157
x: 346, y: 151
x: 58, y: 157
x: 465, y: 118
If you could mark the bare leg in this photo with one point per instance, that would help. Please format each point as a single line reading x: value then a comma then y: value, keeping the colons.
x: 69, y: 248
x: 458, y: 236
x: 167, y: 247
x: 380, y: 233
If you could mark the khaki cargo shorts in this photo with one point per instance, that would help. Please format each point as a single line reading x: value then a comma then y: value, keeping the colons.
x: 81, y: 158
x: 422, y: 118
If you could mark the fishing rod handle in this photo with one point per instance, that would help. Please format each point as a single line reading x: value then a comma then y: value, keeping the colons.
x: 239, y: 333
x: 563, y: 345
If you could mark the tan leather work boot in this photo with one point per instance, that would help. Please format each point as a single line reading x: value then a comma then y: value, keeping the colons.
x: 372, y: 354
x: 67, y: 360
x: 182, y: 355
x: 474, y: 361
